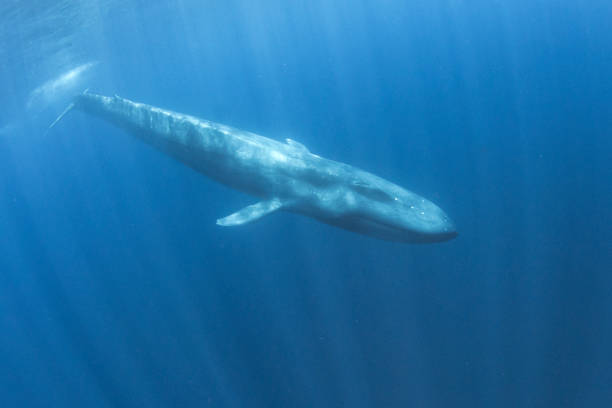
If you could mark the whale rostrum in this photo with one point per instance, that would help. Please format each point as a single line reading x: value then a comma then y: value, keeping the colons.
x: 284, y: 176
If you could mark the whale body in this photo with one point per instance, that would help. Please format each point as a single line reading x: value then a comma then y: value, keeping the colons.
x: 283, y: 175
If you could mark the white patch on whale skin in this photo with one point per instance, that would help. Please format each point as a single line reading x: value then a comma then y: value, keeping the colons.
x: 278, y: 156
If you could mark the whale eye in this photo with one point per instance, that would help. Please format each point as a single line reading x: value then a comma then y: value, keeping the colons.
x: 372, y: 192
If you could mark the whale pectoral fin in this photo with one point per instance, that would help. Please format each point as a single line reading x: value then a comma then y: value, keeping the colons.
x: 251, y: 213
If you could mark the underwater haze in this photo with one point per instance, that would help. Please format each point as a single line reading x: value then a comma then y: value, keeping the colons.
x: 118, y: 289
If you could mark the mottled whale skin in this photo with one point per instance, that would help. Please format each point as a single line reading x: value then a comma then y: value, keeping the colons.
x: 284, y: 176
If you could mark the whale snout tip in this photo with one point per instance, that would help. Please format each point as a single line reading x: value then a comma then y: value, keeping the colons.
x: 450, y: 230
x: 451, y: 234
x: 445, y: 232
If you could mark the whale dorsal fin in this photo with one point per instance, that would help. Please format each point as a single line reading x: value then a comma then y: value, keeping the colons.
x: 251, y: 213
x: 297, y: 145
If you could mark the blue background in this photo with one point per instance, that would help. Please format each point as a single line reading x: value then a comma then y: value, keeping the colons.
x: 117, y: 289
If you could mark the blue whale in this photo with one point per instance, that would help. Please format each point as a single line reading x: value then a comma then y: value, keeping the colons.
x: 284, y: 176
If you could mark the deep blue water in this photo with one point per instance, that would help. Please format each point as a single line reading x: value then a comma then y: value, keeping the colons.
x: 117, y: 289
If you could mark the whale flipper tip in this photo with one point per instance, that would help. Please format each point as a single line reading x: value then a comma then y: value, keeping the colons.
x: 68, y: 109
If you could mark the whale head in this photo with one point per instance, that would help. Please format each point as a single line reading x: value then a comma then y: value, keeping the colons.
x: 375, y: 207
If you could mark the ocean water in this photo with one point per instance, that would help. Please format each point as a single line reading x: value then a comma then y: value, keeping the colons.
x: 117, y: 289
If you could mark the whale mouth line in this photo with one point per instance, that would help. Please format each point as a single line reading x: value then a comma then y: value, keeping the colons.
x: 388, y: 231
